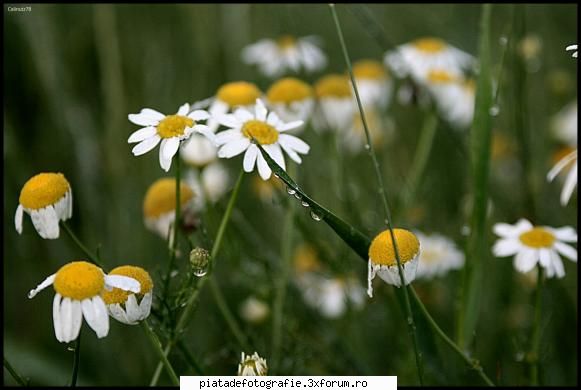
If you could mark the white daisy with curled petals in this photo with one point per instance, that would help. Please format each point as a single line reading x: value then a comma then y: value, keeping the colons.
x: 78, y: 287
x: 268, y: 130
x: 568, y: 162
x: 170, y: 130
x: 531, y: 245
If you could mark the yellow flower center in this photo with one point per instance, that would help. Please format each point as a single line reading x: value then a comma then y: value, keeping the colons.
x: 289, y: 90
x: 262, y: 132
x: 333, y: 85
x: 79, y: 280
x: 286, y: 42
x: 438, y: 76
x: 381, y: 250
x: 116, y: 295
x: 238, y: 93
x: 174, y: 126
x: 306, y: 259
x: 429, y: 45
x: 537, y: 238
x: 43, y: 190
x: 369, y: 69
x: 160, y: 198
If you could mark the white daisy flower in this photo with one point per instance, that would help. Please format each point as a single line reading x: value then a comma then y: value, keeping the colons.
x: 169, y: 129
x: 383, y: 262
x: 124, y: 305
x: 159, y: 205
x: 292, y: 100
x: 535, y: 244
x: 254, y: 310
x: 373, y: 84
x: 78, y: 287
x: 571, y: 48
x: 439, y: 255
x: 564, y: 125
x: 416, y: 58
x: 48, y: 199
x: 380, y: 128
x: 331, y: 296
x: 268, y: 130
x: 453, y: 96
x: 252, y: 365
x: 231, y: 96
x: 567, y: 162
x: 275, y: 57
x: 208, y: 183
x: 335, y: 104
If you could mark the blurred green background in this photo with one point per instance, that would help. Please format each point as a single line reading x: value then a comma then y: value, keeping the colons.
x: 72, y: 73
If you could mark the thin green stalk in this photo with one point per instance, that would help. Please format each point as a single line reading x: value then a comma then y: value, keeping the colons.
x: 152, y: 337
x: 282, y: 280
x: 382, y: 192
x: 533, y: 356
x: 92, y: 257
x: 473, y: 363
x: 76, y: 361
x: 175, y: 230
x: 184, y: 317
x: 227, y: 314
x: 17, y: 377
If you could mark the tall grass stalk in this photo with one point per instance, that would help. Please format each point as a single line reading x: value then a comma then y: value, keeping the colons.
x: 17, y: 377
x: 91, y: 256
x: 152, y: 337
x: 533, y: 356
x: 383, y: 194
x: 477, y: 246
x: 175, y: 228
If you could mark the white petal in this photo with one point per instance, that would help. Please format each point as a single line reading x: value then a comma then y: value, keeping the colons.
x: 18, y: 218
x: 132, y: 309
x: 145, y: 305
x: 170, y: 148
x: 263, y: 169
x: 199, y: 115
x: 291, y: 153
x: 184, y: 109
x: 250, y: 158
x: 273, y: 119
x: 145, y: 145
x: 558, y: 265
x: 505, y: 247
x: 294, y: 143
x: 566, y: 233
x: 290, y: 126
x: 260, y: 110
x: 227, y: 120
x: 562, y: 163
x: 545, y: 257
x: 234, y: 148
x: 242, y: 115
x: 276, y: 154
x: 96, y: 315
x: 206, y: 132
x: 123, y: 282
x: 66, y: 315
x: 116, y: 311
x: 503, y: 230
x: 47, y: 282
x: 56, y: 317
x: 226, y: 136
x: 569, y: 186
x: 76, y: 319
x: 164, y: 162
x: 147, y: 117
x: 525, y: 260
x: 566, y: 250
x: 142, y: 134
x: 46, y: 222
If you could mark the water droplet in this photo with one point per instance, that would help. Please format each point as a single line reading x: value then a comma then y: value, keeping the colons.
x: 173, y: 274
x: 367, y: 147
x: 503, y: 40
x: 275, y: 175
x: 409, y: 319
x: 200, y: 271
x: 298, y: 196
x: 72, y: 349
x: 315, y: 216
x: 494, y: 110
x: 305, y: 204
x: 290, y: 191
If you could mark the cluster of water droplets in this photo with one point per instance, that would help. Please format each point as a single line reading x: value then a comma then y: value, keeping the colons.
x: 292, y: 192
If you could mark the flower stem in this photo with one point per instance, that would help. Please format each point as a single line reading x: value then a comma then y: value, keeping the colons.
x: 157, y: 346
x: 473, y: 363
x: 92, y: 257
x: 175, y: 229
x: 184, y: 317
x: 76, y: 361
x: 382, y: 192
x: 533, y: 357
x: 17, y: 377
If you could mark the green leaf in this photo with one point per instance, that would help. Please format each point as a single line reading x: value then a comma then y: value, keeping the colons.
x: 356, y: 240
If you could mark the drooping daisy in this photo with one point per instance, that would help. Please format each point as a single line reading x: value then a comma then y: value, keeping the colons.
x: 416, y: 58
x: 268, y: 130
x: 564, y: 124
x: 439, y: 255
x: 571, y: 48
x: 48, y: 199
x: 159, y: 204
x: 373, y: 83
x: 130, y: 307
x: 276, y: 57
x: 291, y: 99
x: 453, y: 96
x: 254, y: 310
x: 78, y: 287
x: 567, y: 162
x: 383, y: 262
x: 169, y: 129
x: 208, y: 183
x: 335, y: 103
x: 252, y: 365
x: 231, y: 96
x: 535, y: 244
